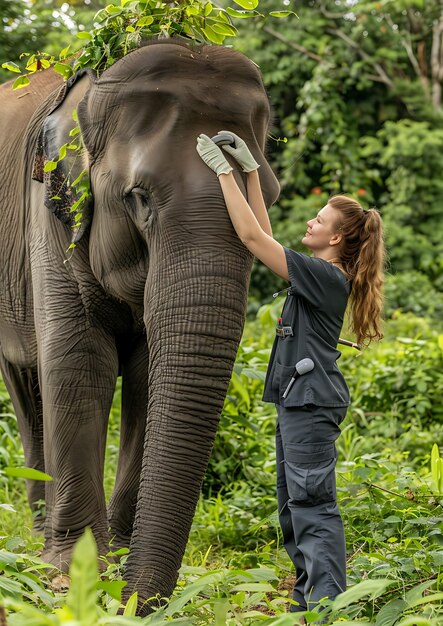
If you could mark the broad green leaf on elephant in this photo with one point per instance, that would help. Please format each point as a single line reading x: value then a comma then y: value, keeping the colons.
x: 145, y: 21
x: 212, y: 35
x: 50, y: 166
x: 224, y: 29
x: 27, y: 472
x: 113, y: 10
x: 247, y: 4
x: 63, y: 69
x: 22, y: 81
x: 12, y: 67
x: 372, y: 588
x: 82, y: 594
x: 77, y: 204
x: 64, y: 53
x: 241, y: 15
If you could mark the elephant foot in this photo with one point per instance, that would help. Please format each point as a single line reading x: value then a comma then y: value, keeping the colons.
x: 60, y: 559
x: 60, y: 583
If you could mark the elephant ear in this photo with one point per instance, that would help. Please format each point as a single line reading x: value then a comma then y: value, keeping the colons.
x: 62, y: 169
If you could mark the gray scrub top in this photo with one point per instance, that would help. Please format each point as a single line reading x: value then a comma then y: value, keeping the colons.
x: 314, y: 309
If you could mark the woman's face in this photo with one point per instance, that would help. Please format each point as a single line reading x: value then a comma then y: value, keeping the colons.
x: 322, y: 231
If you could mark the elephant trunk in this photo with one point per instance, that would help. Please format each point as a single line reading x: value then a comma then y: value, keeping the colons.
x: 194, y: 318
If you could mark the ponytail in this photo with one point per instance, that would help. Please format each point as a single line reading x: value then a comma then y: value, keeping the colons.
x: 362, y: 255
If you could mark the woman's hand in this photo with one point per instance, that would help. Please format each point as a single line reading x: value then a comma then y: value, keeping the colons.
x: 240, y: 152
x: 212, y: 155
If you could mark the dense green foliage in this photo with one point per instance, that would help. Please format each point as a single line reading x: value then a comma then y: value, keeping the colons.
x: 356, y: 94
x: 235, y: 570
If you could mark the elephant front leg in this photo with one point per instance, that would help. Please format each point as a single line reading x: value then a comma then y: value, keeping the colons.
x: 78, y: 370
x: 121, y: 511
x: 22, y: 386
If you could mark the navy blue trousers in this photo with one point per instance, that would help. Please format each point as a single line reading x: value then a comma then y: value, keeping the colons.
x: 307, y: 501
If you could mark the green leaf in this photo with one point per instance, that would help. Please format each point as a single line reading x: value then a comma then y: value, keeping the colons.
x: 372, y: 588
x: 27, y: 472
x: 254, y: 587
x: 79, y: 178
x: 131, y: 605
x: 247, y: 4
x: 415, y: 620
x: 224, y: 29
x: 390, y: 613
x: 76, y: 204
x: 22, y: 81
x: 64, y: 53
x: 50, y: 165
x: 84, y: 35
x: 82, y: 595
x: 145, y: 21
x: 282, y: 13
x: 211, y: 35
x: 113, y: 10
x: 434, y: 597
x: 437, y: 468
x: 240, y: 15
x: 192, y: 10
x: 62, y: 152
x: 63, y: 69
x: 208, y: 9
x: 112, y: 587
x: 12, y: 67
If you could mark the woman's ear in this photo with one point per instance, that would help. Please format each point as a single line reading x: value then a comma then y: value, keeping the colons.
x: 336, y: 239
x: 62, y: 192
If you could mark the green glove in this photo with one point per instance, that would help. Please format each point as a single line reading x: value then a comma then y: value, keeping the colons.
x: 240, y: 152
x: 212, y: 155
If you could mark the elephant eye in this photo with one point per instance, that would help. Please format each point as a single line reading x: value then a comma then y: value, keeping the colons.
x: 139, y: 191
x: 139, y: 201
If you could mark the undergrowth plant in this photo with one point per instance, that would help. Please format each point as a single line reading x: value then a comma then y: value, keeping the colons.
x: 236, y: 571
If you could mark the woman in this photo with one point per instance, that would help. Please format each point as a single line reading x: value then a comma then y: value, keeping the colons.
x: 347, y: 264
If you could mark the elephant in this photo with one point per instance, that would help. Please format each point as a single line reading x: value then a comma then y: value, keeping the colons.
x: 154, y: 291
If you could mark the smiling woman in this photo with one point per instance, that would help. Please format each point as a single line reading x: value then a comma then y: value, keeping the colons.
x: 303, y: 379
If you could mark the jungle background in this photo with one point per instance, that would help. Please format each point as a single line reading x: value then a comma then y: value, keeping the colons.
x: 356, y: 93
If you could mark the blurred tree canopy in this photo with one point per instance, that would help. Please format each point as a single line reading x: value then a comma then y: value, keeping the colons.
x: 356, y: 91
x: 42, y: 25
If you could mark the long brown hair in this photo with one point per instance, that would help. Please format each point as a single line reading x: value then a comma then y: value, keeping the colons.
x: 362, y: 256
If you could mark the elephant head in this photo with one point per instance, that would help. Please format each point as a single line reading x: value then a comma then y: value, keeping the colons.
x: 161, y: 241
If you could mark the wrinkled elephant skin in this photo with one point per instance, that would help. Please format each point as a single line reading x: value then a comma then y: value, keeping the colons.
x: 155, y: 290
